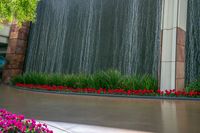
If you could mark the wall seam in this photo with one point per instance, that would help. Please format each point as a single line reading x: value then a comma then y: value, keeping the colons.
x: 176, y: 42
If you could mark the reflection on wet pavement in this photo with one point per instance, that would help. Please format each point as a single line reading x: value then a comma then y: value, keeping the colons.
x: 161, y: 116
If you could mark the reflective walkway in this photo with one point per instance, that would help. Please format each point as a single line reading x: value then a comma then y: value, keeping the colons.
x: 137, y: 115
x: 61, y: 127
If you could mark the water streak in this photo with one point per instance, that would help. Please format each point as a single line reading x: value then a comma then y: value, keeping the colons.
x: 72, y: 36
x: 192, y: 41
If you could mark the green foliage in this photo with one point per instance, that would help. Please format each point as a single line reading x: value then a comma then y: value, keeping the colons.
x: 149, y: 82
x: 194, y: 86
x: 19, y: 10
x: 18, y: 79
x: 105, y: 79
x: 110, y: 79
x: 139, y: 82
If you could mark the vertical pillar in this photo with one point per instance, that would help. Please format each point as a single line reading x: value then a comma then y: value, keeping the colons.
x: 15, y: 55
x: 174, y: 17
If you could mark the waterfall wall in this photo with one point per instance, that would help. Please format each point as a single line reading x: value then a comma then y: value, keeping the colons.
x: 193, y: 41
x: 72, y: 36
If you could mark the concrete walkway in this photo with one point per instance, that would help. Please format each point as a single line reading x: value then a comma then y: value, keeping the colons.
x: 92, y: 114
x: 61, y: 127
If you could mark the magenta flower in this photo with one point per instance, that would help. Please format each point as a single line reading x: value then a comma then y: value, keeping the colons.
x: 16, y: 123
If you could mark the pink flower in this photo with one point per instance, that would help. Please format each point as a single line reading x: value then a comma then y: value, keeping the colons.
x: 16, y: 123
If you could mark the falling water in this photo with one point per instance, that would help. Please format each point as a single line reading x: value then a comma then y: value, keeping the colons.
x: 72, y: 36
x: 193, y: 41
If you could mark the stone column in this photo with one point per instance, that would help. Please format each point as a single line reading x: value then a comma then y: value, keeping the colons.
x: 174, y: 17
x: 15, y: 55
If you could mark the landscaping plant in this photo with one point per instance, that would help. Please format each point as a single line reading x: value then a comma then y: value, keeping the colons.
x: 18, y: 10
x: 194, y: 86
x: 123, y: 92
x: 111, y: 79
x: 12, y: 123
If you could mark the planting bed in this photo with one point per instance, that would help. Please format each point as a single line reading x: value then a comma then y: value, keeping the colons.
x: 141, y: 93
x: 104, y: 83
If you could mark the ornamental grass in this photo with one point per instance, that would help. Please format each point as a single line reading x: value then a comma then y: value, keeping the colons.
x: 108, y: 80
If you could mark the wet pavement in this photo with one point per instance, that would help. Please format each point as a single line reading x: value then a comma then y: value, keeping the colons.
x: 60, y: 127
x: 159, y: 116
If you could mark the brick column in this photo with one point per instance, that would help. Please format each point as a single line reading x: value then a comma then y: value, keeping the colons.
x: 15, y: 55
x: 180, y: 58
x: 174, y: 17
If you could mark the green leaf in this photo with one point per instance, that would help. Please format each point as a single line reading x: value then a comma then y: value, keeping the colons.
x: 18, y: 10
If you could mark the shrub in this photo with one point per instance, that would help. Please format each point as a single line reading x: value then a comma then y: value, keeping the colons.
x: 17, y: 79
x: 110, y: 79
x: 35, y: 78
x: 194, y: 86
x: 139, y: 82
x: 54, y: 79
x: 149, y: 83
x: 70, y: 81
x: 20, y: 10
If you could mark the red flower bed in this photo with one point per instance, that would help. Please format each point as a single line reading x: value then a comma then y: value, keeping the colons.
x: 140, y: 92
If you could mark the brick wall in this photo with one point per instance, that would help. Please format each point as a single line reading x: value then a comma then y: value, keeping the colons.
x: 16, y: 50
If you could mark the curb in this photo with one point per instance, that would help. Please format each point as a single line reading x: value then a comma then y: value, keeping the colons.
x: 109, y: 95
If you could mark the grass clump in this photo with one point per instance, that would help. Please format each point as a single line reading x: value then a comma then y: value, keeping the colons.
x: 111, y: 79
x: 194, y: 86
x: 139, y: 82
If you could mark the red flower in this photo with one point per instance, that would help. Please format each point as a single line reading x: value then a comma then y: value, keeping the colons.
x: 177, y: 93
x: 110, y: 91
x: 129, y: 92
x: 168, y: 92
